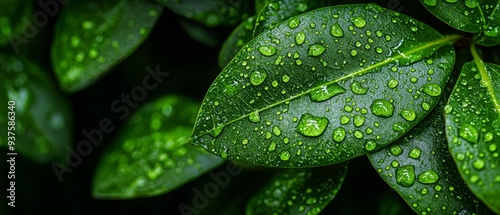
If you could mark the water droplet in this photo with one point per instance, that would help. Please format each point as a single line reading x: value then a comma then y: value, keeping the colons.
x: 272, y: 146
x: 294, y: 23
x: 382, y: 108
x: 300, y: 38
x: 370, y: 145
x: 393, y: 83
x: 357, y: 88
x: 336, y: 30
x: 326, y: 92
x: 254, y: 117
x: 344, y: 120
x: 396, y: 150
x: 405, y: 176
x: 432, y: 89
x: 414, y: 153
x: 426, y: 106
x: 474, y: 178
x: 311, y: 201
x: 428, y: 177
x: 276, y: 131
x: 359, y: 22
x: 339, y: 134
x: 478, y: 164
x: 267, y: 50
x: 285, y: 155
x: 448, y: 108
x: 316, y: 50
x: 488, y: 137
x: 285, y: 78
x: 430, y: 2
x: 354, y: 53
x: 359, y: 120
x: 469, y: 133
x: 399, y: 127
x: 471, y: 3
x: 216, y: 131
x: 257, y: 77
x: 311, y: 126
x: 87, y: 25
x: 155, y: 172
x: 408, y: 114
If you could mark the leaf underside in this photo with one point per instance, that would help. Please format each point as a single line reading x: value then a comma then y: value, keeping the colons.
x: 325, y: 86
x: 420, y: 168
x: 473, y: 129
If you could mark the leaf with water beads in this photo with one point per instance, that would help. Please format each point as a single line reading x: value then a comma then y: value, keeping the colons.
x: 298, y: 191
x: 13, y: 21
x: 236, y: 40
x: 308, y: 96
x: 92, y: 36
x: 474, y: 16
x: 150, y: 156
x: 420, y: 168
x: 40, y: 120
x: 473, y: 129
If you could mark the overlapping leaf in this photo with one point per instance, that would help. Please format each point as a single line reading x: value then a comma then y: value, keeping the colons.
x: 43, y: 120
x: 298, y: 191
x: 150, y: 155
x: 475, y: 16
x: 13, y: 19
x: 420, y: 168
x: 93, y: 36
x: 236, y: 40
x: 473, y: 129
x: 326, y: 86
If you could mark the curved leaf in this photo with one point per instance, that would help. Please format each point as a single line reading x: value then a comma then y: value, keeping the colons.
x: 473, y: 129
x: 43, y: 120
x: 324, y: 87
x: 474, y: 16
x: 420, y: 168
x: 276, y: 11
x: 298, y: 191
x: 13, y: 19
x: 211, y: 12
x: 236, y: 40
x: 153, y: 159
x: 93, y: 36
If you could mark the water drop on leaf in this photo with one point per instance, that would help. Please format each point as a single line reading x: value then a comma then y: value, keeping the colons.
x: 311, y: 126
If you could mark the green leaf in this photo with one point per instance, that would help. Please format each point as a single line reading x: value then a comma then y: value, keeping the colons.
x: 150, y: 156
x: 473, y: 129
x: 236, y: 40
x: 298, y: 191
x: 93, y: 36
x: 420, y: 168
x: 13, y: 20
x: 300, y: 96
x: 276, y: 11
x: 211, y: 12
x: 42, y: 116
x: 474, y: 16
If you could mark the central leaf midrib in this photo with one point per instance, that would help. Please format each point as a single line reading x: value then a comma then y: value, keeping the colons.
x: 486, y: 20
x: 484, y: 75
x: 441, y: 41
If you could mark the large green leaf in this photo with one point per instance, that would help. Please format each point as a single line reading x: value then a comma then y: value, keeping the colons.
x: 93, y: 36
x: 276, y: 11
x: 473, y: 129
x: 298, y: 191
x: 13, y: 20
x: 420, y: 168
x: 326, y: 86
x: 43, y: 120
x: 475, y: 16
x: 236, y: 40
x: 211, y: 12
x: 150, y: 156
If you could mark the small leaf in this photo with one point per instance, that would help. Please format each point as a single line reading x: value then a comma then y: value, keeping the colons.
x: 420, y: 168
x: 211, y: 12
x: 473, y: 129
x: 150, y: 156
x: 298, y: 191
x: 304, y: 97
x: 276, y: 11
x: 14, y: 18
x: 93, y: 36
x: 236, y: 40
x: 42, y: 117
x: 474, y: 16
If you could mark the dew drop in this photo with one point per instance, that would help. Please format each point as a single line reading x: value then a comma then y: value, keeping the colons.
x: 414, y: 153
x: 432, y: 89
x: 294, y: 23
x: 370, y: 145
x: 408, y: 114
x: 336, y: 30
x: 405, y: 176
x: 469, y: 133
x: 393, y: 83
x: 326, y: 92
x: 339, y: 134
x: 300, y: 38
x: 285, y: 78
x: 316, y: 50
x: 471, y: 3
x: 399, y: 127
x: 257, y: 77
x: 430, y: 2
x: 267, y: 50
x: 272, y: 147
x: 478, y: 164
x: 359, y: 22
x: 357, y: 88
x: 344, y: 120
x: 311, y: 126
x: 382, y: 108
x: 359, y: 120
x: 276, y: 131
x: 428, y: 177
x: 396, y: 150
x: 285, y: 155
x: 254, y: 117
x: 448, y: 108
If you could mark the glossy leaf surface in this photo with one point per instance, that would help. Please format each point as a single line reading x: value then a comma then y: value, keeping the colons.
x: 240, y: 36
x: 326, y: 86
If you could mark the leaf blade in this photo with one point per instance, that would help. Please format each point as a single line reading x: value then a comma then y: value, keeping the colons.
x: 266, y: 84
